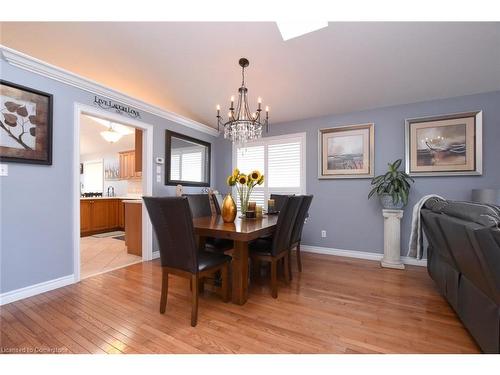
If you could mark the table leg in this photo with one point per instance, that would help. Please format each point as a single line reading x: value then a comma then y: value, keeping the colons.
x: 201, y: 242
x: 240, y: 273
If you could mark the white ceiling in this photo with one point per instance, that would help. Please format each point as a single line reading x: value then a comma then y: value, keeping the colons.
x: 188, y: 68
x: 91, y: 142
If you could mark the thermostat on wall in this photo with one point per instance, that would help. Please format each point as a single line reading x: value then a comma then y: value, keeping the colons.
x: 160, y: 160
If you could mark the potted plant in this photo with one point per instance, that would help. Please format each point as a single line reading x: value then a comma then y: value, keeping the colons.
x: 245, y: 184
x: 393, y: 187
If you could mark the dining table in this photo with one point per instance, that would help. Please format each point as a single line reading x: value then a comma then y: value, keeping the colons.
x: 241, y: 231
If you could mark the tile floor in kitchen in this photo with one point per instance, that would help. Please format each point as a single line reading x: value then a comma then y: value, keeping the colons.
x: 98, y: 255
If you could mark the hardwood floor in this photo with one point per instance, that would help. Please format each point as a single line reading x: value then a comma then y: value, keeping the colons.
x: 337, y: 305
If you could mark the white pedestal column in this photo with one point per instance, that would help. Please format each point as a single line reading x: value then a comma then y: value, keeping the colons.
x: 392, y: 239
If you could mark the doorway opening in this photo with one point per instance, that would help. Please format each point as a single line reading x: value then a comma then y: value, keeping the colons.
x: 113, y: 164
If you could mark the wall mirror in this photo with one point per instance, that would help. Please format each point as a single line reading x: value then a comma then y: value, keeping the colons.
x: 187, y: 160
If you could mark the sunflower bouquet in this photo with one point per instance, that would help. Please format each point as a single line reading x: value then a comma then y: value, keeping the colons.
x: 245, y: 183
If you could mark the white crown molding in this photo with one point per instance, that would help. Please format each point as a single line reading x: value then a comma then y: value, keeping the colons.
x: 32, y: 64
x: 358, y: 254
x: 15, y: 295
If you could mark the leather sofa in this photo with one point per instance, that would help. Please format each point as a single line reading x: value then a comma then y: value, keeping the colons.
x: 463, y: 258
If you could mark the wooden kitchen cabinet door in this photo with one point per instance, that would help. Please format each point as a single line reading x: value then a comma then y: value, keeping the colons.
x: 85, y: 216
x: 113, y: 213
x: 100, y: 217
x: 121, y: 215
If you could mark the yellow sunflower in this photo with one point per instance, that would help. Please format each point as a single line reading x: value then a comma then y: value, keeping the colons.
x: 236, y: 172
x: 231, y: 181
x: 261, y: 180
x: 255, y: 175
x: 242, y: 179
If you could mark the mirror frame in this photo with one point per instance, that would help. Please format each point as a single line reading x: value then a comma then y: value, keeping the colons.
x: 168, y: 154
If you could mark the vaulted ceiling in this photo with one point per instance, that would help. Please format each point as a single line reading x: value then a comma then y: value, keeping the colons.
x: 188, y: 68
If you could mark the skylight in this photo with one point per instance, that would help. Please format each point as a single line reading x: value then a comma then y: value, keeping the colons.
x: 294, y: 29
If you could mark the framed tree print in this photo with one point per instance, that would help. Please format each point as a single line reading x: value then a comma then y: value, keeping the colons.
x: 25, y: 125
x: 346, y: 152
x: 446, y: 145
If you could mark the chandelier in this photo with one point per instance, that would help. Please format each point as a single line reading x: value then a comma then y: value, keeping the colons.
x: 242, y: 125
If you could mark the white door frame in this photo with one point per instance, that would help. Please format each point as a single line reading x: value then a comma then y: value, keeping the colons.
x: 147, y: 178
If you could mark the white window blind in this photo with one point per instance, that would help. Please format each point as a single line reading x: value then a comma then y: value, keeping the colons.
x: 187, y: 166
x: 175, y: 167
x: 192, y: 166
x: 281, y: 159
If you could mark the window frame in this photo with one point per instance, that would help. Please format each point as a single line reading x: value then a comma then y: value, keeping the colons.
x: 278, y: 139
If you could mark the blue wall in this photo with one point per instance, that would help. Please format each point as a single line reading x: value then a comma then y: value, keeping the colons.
x: 36, y: 201
x: 341, y: 207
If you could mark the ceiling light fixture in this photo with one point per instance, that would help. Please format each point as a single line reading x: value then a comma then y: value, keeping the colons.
x: 111, y: 135
x: 294, y: 29
x: 243, y: 126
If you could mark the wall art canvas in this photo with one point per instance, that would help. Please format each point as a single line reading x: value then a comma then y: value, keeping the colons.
x: 25, y: 125
x: 346, y: 152
x: 444, y: 145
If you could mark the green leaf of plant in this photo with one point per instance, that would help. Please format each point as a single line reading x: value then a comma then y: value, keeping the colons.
x: 396, y: 164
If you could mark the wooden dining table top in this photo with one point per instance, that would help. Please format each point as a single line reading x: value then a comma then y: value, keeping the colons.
x: 242, y: 229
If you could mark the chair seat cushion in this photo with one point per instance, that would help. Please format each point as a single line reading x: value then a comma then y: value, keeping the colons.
x: 209, y: 260
x: 261, y: 246
x: 218, y: 244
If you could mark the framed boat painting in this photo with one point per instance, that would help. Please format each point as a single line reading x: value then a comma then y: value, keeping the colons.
x: 447, y: 145
x: 25, y: 125
x: 346, y: 152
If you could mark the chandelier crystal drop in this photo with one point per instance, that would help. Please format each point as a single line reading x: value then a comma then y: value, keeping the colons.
x: 242, y: 125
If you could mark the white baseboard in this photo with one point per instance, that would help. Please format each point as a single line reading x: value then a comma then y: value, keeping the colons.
x: 15, y: 295
x: 358, y: 254
x: 156, y: 254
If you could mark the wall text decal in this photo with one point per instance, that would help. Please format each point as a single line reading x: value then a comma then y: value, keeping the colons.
x: 119, y: 108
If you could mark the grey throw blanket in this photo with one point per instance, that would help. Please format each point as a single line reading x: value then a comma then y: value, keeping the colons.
x: 416, y: 246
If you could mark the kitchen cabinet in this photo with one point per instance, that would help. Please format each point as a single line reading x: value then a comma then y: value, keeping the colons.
x: 127, y: 165
x: 100, y: 215
x: 121, y: 215
x: 133, y: 227
x: 85, y: 216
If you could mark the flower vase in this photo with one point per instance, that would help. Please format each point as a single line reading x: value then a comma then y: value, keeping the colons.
x: 228, y: 210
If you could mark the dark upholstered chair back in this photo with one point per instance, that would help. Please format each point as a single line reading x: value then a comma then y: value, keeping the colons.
x: 279, y: 200
x: 199, y: 204
x: 217, y: 199
x: 173, y: 225
x: 301, y: 218
x: 286, y: 219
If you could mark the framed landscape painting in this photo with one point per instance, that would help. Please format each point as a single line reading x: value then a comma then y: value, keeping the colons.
x: 447, y: 145
x: 346, y: 152
x: 25, y: 125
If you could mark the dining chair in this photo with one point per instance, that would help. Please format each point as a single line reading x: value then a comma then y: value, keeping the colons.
x: 173, y: 225
x: 272, y: 251
x: 200, y: 207
x: 297, y: 230
x: 217, y: 200
x: 279, y: 200
x: 199, y: 204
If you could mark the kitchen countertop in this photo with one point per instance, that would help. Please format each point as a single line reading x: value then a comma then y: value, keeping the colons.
x: 122, y: 198
x: 138, y: 201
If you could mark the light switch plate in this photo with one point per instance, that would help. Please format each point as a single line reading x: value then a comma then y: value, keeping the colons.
x: 4, y: 169
x: 158, y: 178
x: 158, y: 169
